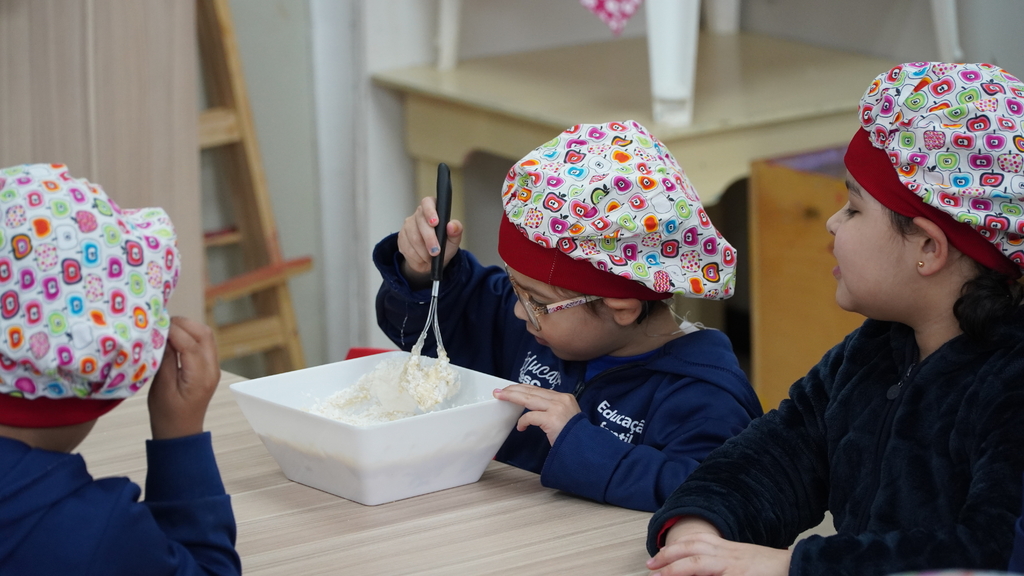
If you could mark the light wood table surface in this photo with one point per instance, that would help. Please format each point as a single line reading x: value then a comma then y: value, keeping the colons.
x: 507, y: 523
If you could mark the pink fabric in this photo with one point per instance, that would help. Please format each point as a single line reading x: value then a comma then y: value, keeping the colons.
x: 615, y: 203
x: 614, y: 13
x: 871, y: 168
x: 84, y: 287
x: 953, y: 136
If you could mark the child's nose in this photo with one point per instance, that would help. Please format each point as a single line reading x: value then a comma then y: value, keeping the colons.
x: 832, y: 222
x: 519, y: 310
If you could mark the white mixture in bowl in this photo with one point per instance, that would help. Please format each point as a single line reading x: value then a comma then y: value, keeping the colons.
x: 395, y: 389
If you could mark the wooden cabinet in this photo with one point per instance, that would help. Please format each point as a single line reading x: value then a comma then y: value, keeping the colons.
x: 794, y: 315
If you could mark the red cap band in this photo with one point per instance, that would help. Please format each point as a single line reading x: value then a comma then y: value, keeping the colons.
x: 873, y: 170
x: 551, y: 266
x: 51, y: 412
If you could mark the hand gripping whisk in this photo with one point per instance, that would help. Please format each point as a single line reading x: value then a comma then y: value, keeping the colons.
x: 444, y: 212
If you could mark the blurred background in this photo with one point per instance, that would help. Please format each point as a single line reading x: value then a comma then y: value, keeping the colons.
x: 339, y: 88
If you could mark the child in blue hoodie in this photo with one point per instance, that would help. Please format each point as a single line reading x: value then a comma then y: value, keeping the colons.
x: 83, y: 289
x: 601, y: 228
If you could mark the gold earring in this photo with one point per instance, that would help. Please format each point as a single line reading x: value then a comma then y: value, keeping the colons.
x: 920, y: 264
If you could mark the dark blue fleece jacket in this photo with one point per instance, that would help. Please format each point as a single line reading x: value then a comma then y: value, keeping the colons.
x: 920, y: 463
x: 644, y: 426
x: 55, y: 519
x: 1017, y: 558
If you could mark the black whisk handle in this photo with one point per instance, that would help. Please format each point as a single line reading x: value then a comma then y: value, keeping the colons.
x: 444, y: 214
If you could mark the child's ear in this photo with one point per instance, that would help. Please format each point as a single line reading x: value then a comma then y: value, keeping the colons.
x: 625, y: 311
x: 933, y: 247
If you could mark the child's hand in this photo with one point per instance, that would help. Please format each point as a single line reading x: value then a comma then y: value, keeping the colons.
x: 179, y: 395
x: 688, y: 526
x: 417, y: 241
x: 702, y: 553
x: 549, y: 410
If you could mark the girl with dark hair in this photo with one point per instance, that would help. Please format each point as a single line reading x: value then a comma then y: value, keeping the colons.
x: 910, y: 431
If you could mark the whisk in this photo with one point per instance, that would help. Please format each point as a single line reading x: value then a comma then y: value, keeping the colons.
x: 444, y: 212
x: 418, y: 385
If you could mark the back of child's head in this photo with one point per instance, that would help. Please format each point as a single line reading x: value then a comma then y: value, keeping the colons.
x: 605, y: 210
x: 945, y: 142
x: 83, y: 293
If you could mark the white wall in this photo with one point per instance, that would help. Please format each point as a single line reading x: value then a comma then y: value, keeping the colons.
x: 900, y: 30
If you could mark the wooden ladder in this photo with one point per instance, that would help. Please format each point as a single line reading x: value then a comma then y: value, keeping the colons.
x: 227, y: 129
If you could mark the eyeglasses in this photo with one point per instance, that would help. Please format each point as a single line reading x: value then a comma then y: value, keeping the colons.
x: 535, y: 310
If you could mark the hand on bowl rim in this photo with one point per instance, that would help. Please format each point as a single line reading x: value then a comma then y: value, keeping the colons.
x: 548, y: 410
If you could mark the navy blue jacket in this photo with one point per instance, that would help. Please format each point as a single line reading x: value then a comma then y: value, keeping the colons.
x: 55, y: 519
x: 919, y: 463
x: 1017, y: 558
x: 643, y: 427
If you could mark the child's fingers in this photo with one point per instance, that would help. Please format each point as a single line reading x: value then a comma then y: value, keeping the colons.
x: 428, y: 207
x: 167, y: 374
x: 525, y: 395
x: 195, y: 345
x: 201, y: 335
x: 415, y: 240
x: 455, y: 230
x: 550, y: 421
x: 180, y: 338
x: 691, y: 555
x: 178, y: 400
x: 683, y: 548
x: 425, y: 227
x: 196, y: 330
x: 533, y: 418
x: 411, y: 246
x: 535, y: 397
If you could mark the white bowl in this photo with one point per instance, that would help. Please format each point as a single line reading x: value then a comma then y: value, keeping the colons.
x: 381, y: 462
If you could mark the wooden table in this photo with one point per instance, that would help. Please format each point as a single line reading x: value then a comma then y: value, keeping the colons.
x: 506, y: 523
x: 756, y: 97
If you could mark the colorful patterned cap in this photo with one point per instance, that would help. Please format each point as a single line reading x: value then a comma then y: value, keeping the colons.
x: 611, y: 198
x: 955, y: 135
x: 83, y: 293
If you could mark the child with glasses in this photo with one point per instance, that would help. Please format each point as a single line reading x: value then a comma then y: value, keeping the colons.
x: 601, y: 227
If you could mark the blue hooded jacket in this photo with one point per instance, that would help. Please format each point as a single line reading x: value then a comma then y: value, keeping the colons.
x: 643, y: 426
x: 55, y: 519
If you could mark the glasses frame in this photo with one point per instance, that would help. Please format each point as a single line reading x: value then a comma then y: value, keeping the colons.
x: 534, y: 310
